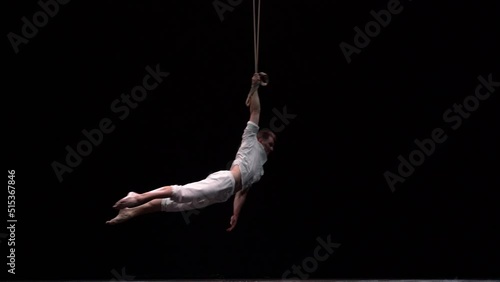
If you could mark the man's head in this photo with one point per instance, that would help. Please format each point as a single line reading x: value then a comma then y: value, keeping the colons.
x: 267, y: 138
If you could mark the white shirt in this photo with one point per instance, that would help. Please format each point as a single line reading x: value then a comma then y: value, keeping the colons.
x: 250, y: 157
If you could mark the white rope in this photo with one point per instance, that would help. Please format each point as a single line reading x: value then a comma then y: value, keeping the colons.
x: 256, y: 36
x: 256, y: 33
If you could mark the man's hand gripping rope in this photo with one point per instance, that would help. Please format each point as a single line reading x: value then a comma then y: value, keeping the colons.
x: 258, y: 79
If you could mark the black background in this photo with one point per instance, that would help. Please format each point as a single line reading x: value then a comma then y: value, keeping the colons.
x: 326, y: 176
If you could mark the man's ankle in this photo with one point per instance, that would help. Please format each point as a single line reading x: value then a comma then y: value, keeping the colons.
x: 140, y: 198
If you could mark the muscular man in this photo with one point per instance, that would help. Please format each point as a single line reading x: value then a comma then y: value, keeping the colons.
x: 218, y: 187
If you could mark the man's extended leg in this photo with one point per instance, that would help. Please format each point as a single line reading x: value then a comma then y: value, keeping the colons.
x: 217, y: 187
x: 134, y: 199
x: 168, y: 205
x: 128, y: 213
x: 156, y: 205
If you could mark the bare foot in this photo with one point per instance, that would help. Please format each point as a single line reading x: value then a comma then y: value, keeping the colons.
x: 130, y: 201
x: 123, y: 215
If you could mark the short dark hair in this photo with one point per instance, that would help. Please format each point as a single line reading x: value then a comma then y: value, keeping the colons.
x: 265, y: 133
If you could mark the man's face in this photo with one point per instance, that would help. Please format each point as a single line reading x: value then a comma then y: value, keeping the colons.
x: 268, y: 144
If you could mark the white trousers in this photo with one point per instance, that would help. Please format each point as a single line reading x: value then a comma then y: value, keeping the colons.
x: 218, y: 187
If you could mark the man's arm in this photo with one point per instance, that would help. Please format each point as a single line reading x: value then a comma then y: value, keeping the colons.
x: 239, y: 200
x: 253, y: 101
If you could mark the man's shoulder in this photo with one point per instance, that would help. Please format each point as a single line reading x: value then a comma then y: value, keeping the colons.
x: 251, y: 123
x: 252, y: 126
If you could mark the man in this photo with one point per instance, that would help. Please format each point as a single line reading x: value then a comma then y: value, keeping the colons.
x: 218, y: 187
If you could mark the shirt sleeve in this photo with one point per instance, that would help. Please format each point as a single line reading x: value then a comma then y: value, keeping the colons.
x: 250, y: 131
